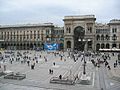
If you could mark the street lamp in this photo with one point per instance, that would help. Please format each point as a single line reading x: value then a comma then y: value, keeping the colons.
x: 84, y: 69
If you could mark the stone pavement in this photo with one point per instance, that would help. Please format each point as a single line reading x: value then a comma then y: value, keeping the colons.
x: 114, y: 73
x: 39, y: 78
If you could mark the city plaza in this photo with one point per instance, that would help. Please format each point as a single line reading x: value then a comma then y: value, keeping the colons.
x: 39, y: 77
x: 76, y: 65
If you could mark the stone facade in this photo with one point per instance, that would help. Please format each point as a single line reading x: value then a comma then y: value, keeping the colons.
x: 26, y: 36
x: 87, y: 22
x: 108, y: 35
x: 96, y: 35
x: 79, y: 33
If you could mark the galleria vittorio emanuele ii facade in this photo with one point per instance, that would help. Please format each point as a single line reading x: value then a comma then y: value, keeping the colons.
x: 79, y: 33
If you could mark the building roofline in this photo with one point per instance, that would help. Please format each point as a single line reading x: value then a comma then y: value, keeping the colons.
x: 80, y: 17
x: 26, y: 25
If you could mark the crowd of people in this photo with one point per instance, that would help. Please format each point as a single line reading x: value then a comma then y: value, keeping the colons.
x: 30, y: 59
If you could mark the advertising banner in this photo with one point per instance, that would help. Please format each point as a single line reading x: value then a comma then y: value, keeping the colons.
x: 53, y: 46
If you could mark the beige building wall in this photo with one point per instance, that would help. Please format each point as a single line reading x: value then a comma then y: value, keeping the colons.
x: 71, y: 22
x: 25, y: 36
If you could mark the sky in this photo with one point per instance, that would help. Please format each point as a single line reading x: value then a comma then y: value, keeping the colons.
x: 45, y: 11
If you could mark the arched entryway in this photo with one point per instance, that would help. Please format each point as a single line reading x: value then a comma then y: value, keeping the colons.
x: 79, y: 33
x: 68, y: 44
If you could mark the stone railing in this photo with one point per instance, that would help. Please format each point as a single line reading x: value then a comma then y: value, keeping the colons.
x: 17, y: 76
x: 62, y: 81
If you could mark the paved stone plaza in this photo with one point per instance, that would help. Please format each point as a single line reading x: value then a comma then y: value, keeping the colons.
x: 39, y: 77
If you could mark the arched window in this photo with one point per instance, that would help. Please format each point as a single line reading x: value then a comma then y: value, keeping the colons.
x: 98, y: 37
x: 114, y: 37
x: 102, y: 37
x: 114, y: 45
x: 107, y: 37
x: 102, y: 45
x: 107, y: 46
x: 97, y: 47
x: 67, y: 30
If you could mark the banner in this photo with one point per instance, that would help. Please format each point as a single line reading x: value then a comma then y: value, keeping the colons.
x: 53, y: 46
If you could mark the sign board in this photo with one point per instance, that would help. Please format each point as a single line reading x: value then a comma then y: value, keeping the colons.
x: 53, y: 46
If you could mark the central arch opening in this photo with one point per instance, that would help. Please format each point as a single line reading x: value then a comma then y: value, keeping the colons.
x: 79, y: 33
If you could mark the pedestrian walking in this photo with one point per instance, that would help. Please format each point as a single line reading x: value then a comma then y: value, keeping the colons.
x: 4, y: 67
x: 60, y: 77
x: 49, y: 71
x: 114, y: 65
x: 54, y: 63
x: 45, y: 59
x: 28, y: 62
x: 109, y: 67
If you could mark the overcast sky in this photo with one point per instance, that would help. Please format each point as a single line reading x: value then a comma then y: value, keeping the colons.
x: 42, y: 11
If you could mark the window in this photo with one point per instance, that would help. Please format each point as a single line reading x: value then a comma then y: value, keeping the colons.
x: 90, y: 29
x: 38, y: 35
x: 102, y: 45
x: 47, y: 32
x: 114, y: 45
x: 17, y: 36
x: 30, y: 34
x: 34, y: 34
x: 5, y: 36
x: 114, y: 30
x: 20, y: 37
x: 69, y: 30
x: 24, y: 35
x: 114, y: 37
x: 107, y: 46
x: 107, y: 37
x: 98, y: 37
x: 102, y: 37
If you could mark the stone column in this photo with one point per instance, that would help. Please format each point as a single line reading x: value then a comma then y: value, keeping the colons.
x: 93, y: 45
x: 85, y: 47
x: 64, y: 44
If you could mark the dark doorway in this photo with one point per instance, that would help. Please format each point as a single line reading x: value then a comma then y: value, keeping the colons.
x: 79, y: 33
x: 68, y: 44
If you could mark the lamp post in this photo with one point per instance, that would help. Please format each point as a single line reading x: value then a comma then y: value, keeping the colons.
x: 84, y: 65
